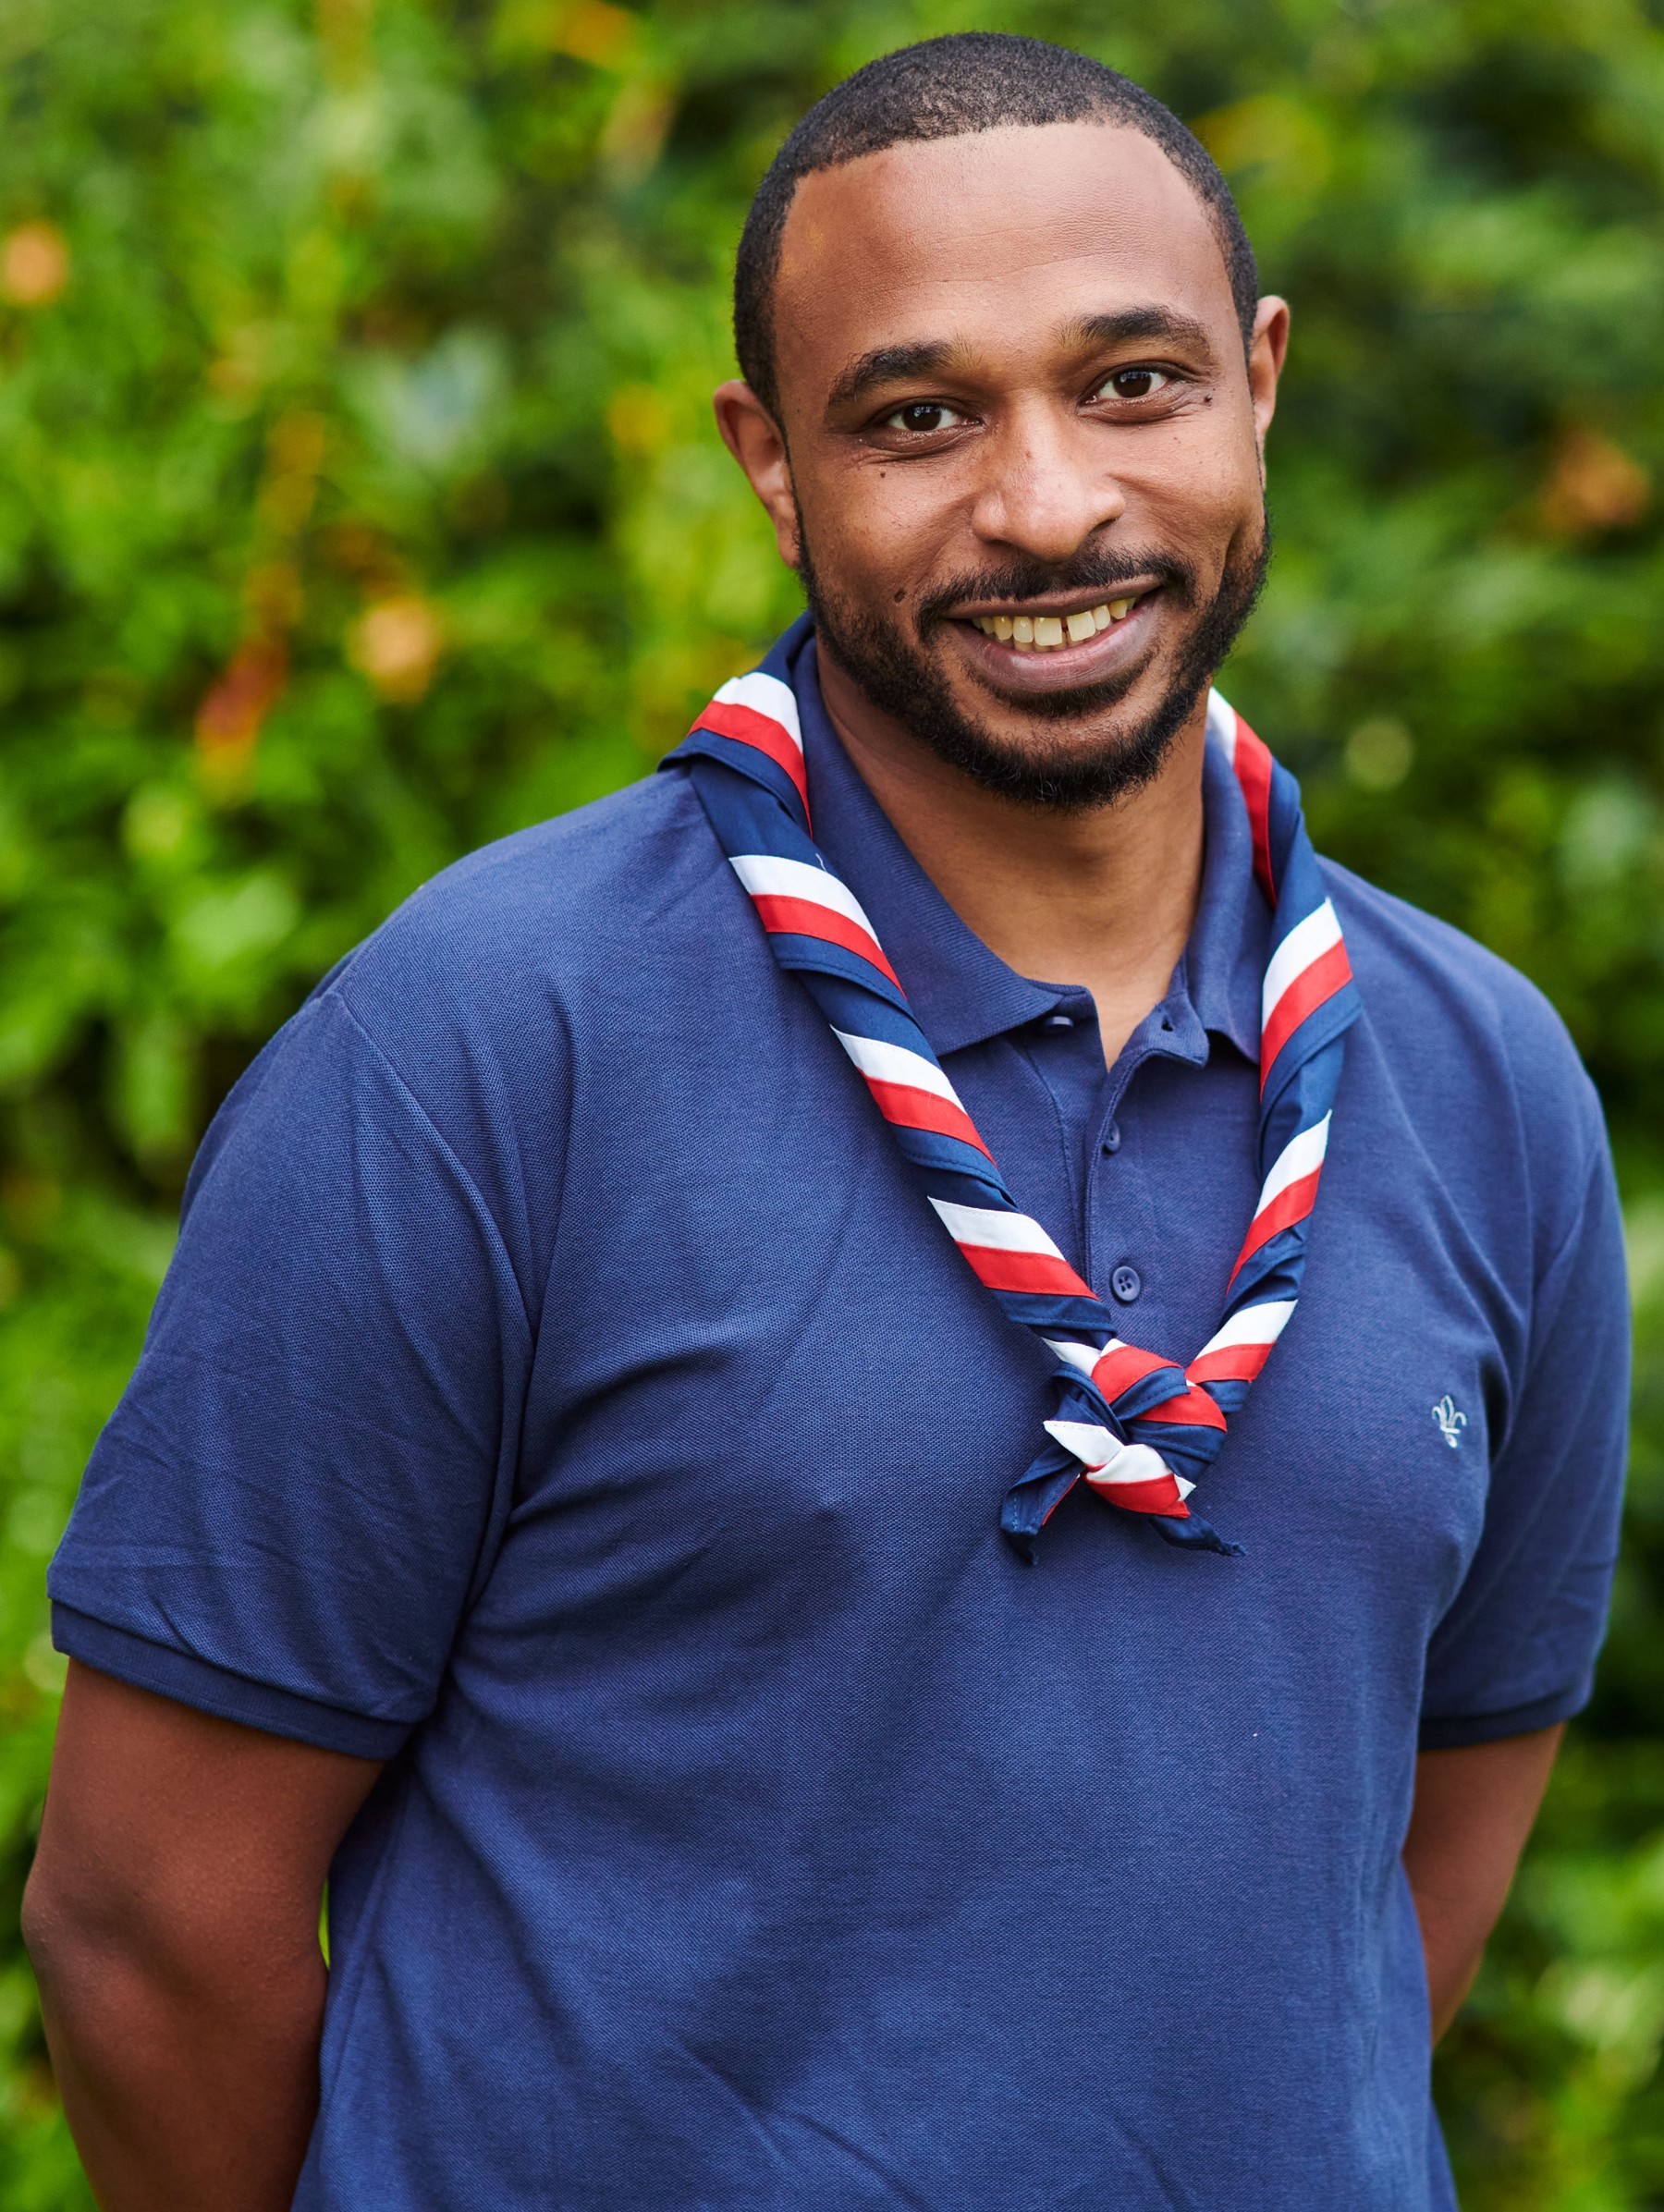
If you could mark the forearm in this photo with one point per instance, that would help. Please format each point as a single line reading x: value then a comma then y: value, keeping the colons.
x: 172, y: 1916
x: 1452, y: 1950
x: 188, y: 2086
x: 1474, y: 1810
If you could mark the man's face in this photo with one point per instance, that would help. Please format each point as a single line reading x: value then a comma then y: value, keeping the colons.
x: 1020, y: 472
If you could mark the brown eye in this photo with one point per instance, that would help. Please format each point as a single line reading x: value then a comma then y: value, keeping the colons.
x: 923, y: 416
x: 1135, y: 384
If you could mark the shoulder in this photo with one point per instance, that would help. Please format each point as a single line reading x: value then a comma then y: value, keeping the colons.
x: 1413, y: 969
x: 480, y: 995
x: 543, y: 897
x: 547, y: 923
x: 1485, y: 1059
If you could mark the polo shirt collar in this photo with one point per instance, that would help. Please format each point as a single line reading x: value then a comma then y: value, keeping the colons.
x: 961, y: 991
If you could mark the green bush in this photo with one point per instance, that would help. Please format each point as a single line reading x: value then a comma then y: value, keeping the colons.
x: 358, y: 503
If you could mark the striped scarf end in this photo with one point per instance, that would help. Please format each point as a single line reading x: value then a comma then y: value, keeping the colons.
x: 1194, y: 1534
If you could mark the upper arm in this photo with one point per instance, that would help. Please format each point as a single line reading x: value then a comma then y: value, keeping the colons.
x: 168, y: 1830
x: 285, y: 1519
x: 1472, y: 1813
x: 1515, y: 1652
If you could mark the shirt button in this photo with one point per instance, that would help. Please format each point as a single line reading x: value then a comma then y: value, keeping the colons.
x: 1112, y: 1136
x: 1060, y: 1021
x: 1126, y: 1282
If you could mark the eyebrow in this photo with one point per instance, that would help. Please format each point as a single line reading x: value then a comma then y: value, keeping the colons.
x: 905, y: 364
x: 889, y: 364
x: 1141, y: 323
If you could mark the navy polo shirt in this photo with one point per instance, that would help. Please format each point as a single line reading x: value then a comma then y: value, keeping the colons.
x: 563, y: 1392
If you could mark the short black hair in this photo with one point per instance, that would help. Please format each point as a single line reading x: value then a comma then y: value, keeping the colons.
x: 948, y: 87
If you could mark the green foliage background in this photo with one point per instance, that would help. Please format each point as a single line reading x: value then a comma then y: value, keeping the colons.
x: 358, y: 503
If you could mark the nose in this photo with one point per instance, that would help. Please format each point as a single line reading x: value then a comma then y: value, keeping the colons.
x: 1048, y: 486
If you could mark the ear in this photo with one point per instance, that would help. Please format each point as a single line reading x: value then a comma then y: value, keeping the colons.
x: 752, y: 437
x: 1266, y: 357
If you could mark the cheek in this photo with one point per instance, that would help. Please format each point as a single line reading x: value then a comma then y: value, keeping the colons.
x: 875, y: 530
x: 1202, y: 480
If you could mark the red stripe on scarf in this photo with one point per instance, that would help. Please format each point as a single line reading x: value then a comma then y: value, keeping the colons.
x: 1124, y: 1365
x: 1251, y: 762
x: 1159, y: 1495
x: 802, y: 918
x: 1035, y: 1271
x: 1192, y: 1409
x: 1329, y: 972
x: 746, y: 726
x: 1287, y: 1207
x: 909, y: 1107
x: 1231, y: 1364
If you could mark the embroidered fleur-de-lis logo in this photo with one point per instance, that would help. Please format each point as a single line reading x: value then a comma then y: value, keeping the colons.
x: 1450, y: 1420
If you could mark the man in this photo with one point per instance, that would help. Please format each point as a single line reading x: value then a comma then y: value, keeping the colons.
x: 577, y: 1495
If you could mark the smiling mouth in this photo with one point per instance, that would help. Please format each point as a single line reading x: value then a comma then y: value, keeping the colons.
x: 1054, y: 632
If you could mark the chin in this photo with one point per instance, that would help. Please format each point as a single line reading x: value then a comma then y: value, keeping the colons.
x: 1055, y: 774
x: 1118, y: 706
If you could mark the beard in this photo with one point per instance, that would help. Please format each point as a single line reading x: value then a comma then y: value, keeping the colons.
x: 1074, y: 761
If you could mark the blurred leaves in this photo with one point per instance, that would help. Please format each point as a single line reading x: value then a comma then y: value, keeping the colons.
x: 359, y: 502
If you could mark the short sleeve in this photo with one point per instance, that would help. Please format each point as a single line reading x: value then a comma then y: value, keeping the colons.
x: 286, y: 1516
x: 1516, y: 1650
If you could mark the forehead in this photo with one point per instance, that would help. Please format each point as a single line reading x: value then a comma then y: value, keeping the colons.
x: 990, y: 243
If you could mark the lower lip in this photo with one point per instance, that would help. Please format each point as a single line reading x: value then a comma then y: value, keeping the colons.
x: 1065, y: 666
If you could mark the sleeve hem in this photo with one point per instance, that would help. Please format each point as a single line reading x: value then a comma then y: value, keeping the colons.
x: 209, y: 1689
x: 1458, y: 1730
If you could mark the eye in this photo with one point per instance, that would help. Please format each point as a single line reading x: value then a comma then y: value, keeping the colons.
x: 1134, y: 384
x: 922, y: 416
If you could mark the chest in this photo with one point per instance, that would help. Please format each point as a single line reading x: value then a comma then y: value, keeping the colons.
x: 759, y: 1345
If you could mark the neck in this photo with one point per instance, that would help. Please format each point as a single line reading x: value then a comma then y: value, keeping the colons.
x: 1104, y: 899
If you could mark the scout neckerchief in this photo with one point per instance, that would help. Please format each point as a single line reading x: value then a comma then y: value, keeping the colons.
x: 1141, y: 1429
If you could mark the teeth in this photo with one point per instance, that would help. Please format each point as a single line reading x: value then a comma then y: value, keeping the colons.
x: 1046, y: 633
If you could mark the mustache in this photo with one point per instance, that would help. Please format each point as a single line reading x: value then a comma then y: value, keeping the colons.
x: 1085, y: 571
